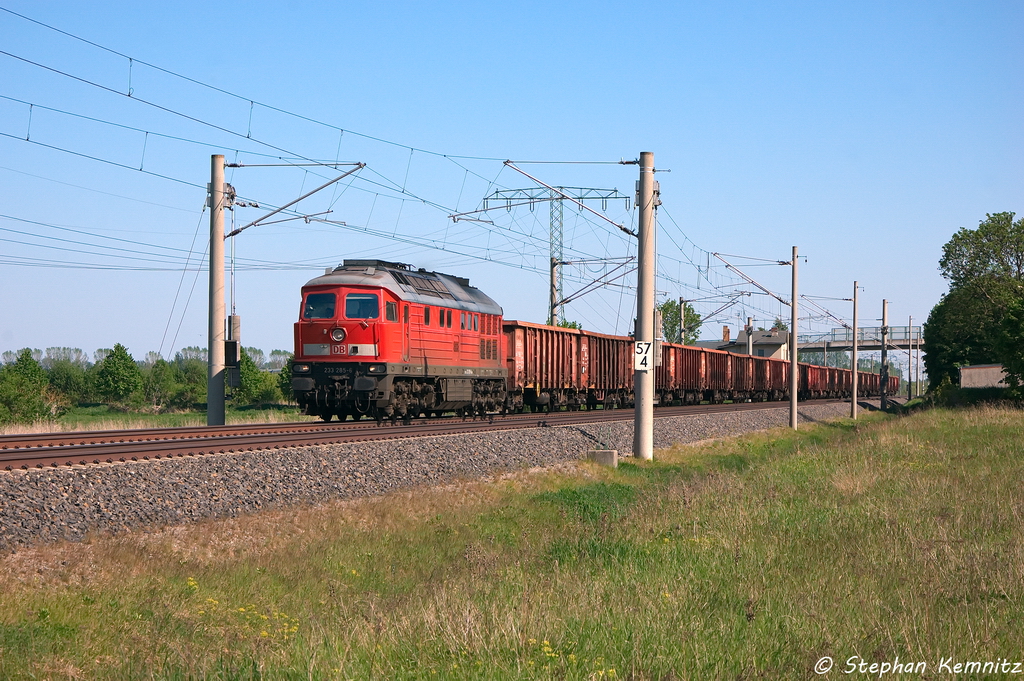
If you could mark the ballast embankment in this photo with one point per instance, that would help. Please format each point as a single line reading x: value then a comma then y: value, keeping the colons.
x: 38, y: 506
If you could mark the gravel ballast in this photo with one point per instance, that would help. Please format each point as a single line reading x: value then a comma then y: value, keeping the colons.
x: 38, y: 506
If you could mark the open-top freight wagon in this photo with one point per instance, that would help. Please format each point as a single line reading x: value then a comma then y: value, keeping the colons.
x: 553, y: 367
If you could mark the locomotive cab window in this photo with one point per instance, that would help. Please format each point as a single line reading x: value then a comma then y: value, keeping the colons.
x: 319, y: 306
x: 362, y: 306
x: 391, y: 311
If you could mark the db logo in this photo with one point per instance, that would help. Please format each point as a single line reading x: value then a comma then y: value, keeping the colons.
x: 338, y: 349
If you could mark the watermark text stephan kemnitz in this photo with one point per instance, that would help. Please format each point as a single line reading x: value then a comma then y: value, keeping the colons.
x: 945, y: 665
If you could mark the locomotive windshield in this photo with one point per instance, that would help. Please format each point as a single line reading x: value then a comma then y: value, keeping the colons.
x: 362, y: 306
x: 319, y: 306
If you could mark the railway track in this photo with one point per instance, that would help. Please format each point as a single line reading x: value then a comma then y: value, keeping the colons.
x: 120, y: 446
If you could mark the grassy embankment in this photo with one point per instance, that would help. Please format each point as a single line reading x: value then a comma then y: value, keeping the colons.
x: 747, y: 558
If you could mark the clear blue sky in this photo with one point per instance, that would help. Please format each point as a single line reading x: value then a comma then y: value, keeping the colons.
x: 866, y: 134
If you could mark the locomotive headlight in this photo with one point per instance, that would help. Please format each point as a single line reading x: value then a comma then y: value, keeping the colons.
x: 377, y: 368
x: 338, y: 335
x: 300, y: 368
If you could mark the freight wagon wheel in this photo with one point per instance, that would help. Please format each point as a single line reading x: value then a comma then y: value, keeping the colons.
x: 326, y: 416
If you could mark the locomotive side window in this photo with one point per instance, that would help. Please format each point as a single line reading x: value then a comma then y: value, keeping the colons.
x: 391, y: 311
x: 319, y: 306
x: 405, y: 313
x: 426, y: 316
x: 462, y: 320
x: 476, y: 322
x: 449, y: 319
x: 362, y: 306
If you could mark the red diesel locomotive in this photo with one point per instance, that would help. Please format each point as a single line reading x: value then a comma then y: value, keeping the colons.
x: 380, y: 339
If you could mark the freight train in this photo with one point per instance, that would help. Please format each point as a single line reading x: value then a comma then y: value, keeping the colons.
x: 386, y: 341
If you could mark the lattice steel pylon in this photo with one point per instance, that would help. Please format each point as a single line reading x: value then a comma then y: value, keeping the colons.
x: 556, y: 311
x: 556, y: 195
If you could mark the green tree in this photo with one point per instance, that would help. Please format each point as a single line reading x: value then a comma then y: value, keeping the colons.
x: 1008, y: 342
x: 963, y: 328
x: 836, y: 358
x: 566, y: 324
x: 191, y: 374
x: 248, y: 380
x: 159, y: 383
x: 985, y: 269
x: 284, y: 383
x: 255, y: 386
x: 670, y: 322
x: 68, y: 378
x: 24, y: 393
x: 993, y: 251
x: 118, y: 376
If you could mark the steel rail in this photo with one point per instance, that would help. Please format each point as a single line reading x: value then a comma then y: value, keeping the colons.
x: 112, y: 447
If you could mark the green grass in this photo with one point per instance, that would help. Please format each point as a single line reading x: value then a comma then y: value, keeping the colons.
x: 747, y: 558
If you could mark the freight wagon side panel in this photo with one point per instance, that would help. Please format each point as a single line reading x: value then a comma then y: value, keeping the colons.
x: 779, y: 375
x: 718, y: 378
x: 762, y: 374
x: 691, y: 375
x: 611, y: 362
x: 742, y: 373
x: 515, y: 356
x: 665, y: 374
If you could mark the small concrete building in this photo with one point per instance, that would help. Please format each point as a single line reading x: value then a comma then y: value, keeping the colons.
x: 983, y: 376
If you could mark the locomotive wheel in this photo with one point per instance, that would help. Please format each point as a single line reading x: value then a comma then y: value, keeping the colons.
x: 326, y: 416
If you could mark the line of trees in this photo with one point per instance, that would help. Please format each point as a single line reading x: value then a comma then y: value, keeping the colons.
x: 37, y: 385
x: 980, y: 320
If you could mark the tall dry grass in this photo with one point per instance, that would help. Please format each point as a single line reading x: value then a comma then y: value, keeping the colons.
x: 83, y: 422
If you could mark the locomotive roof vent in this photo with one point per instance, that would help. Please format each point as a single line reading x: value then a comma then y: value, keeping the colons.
x: 426, y: 283
x: 376, y: 263
x: 461, y: 281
